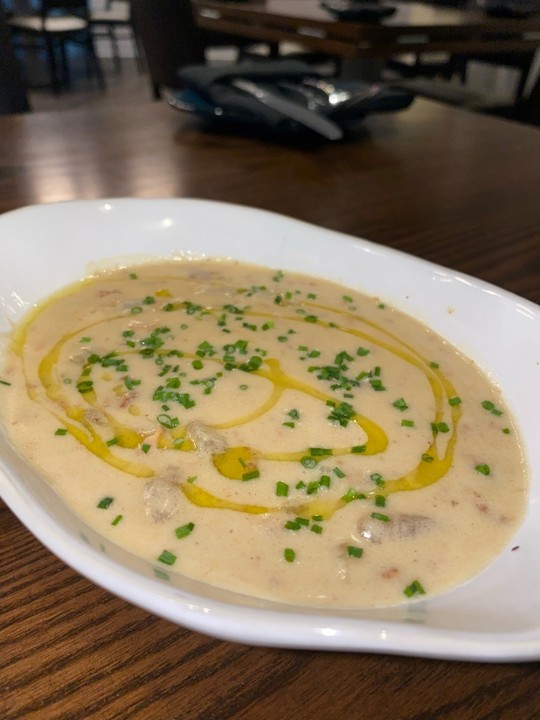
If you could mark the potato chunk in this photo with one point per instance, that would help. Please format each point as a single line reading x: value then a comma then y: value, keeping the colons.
x: 400, y: 526
x: 207, y: 440
x: 161, y: 499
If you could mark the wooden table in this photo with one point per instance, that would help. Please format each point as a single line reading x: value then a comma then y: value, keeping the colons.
x: 415, y: 27
x: 452, y: 187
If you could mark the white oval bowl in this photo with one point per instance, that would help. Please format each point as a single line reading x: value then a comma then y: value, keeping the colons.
x: 495, y: 616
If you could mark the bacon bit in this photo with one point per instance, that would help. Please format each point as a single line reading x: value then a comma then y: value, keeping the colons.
x: 128, y: 398
x: 390, y: 573
x: 482, y: 507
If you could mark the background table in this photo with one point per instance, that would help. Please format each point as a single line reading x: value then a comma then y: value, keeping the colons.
x: 452, y: 187
x: 415, y: 27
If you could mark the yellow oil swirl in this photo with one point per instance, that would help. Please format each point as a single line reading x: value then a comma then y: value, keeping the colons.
x: 235, y: 462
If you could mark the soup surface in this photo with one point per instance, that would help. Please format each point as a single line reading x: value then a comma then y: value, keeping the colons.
x: 265, y: 432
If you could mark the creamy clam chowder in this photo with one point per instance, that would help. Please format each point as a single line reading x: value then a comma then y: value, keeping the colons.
x: 265, y: 432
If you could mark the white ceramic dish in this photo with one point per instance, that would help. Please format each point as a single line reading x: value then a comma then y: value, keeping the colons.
x: 496, y: 616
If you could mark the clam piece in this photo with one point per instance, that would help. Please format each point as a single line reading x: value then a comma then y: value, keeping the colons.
x: 207, y: 440
x: 161, y: 499
x: 399, y: 527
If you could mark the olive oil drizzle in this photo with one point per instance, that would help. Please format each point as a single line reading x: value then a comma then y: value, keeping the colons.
x: 234, y: 461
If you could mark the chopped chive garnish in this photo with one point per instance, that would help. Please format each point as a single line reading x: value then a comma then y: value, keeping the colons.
x: 112, y: 441
x: 358, y: 449
x: 362, y: 351
x: 380, y: 500
x: 105, y: 502
x: 4, y: 382
x: 490, y: 407
x: 350, y: 495
x: 338, y: 472
x: 377, y: 478
x: 184, y: 530
x: 289, y: 555
x: 251, y: 475
x: 354, y: 551
x: 407, y: 423
x: 60, y: 431
x: 319, y: 452
x: 415, y: 588
x: 427, y: 458
x: 85, y: 340
x: 400, y: 404
x: 316, y: 529
x: 85, y: 386
x: 117, y: 519
x: 133, y: 276
x: 167, y: 558
x: 483, y: 469
x: 454, y: 401
x: 442, y: 427
x: 292, y: 525
x: 136, y: 310
x: 167, y: 421
x: 197, y: 365
x: 434, y: 365
x: 380, y: 516
x: 282, y: 489
x: 506, y: 431
x: 145, y: 448
x: 308, y: 462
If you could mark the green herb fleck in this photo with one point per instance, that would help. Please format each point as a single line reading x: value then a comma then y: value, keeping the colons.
x: 415, y: 588
x: 289, y: 555
x: 490, y: 407
x: 184, y: 530
x: 282, y: 489
x: 167, y: 558
x: 105, y: 502
x: 483, y: 469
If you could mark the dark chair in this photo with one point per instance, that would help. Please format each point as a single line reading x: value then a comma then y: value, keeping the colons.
x: 114, y: 16
x: 171, y: 39
x: 57, y: 23
x: 13, y: 94
x: 521, y: 61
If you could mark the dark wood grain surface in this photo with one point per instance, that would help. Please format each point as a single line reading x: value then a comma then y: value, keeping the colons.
x: 448, y: 186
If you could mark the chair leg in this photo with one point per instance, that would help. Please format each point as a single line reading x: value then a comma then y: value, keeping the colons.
x: 117, y: 62
x: 51, y: 58
x: 525, y: 70
x: 92, y: 56
x: 66, y: 75
x: 139, y: 53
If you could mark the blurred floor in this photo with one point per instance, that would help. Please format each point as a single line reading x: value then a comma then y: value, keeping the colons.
x: 124, y: 88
